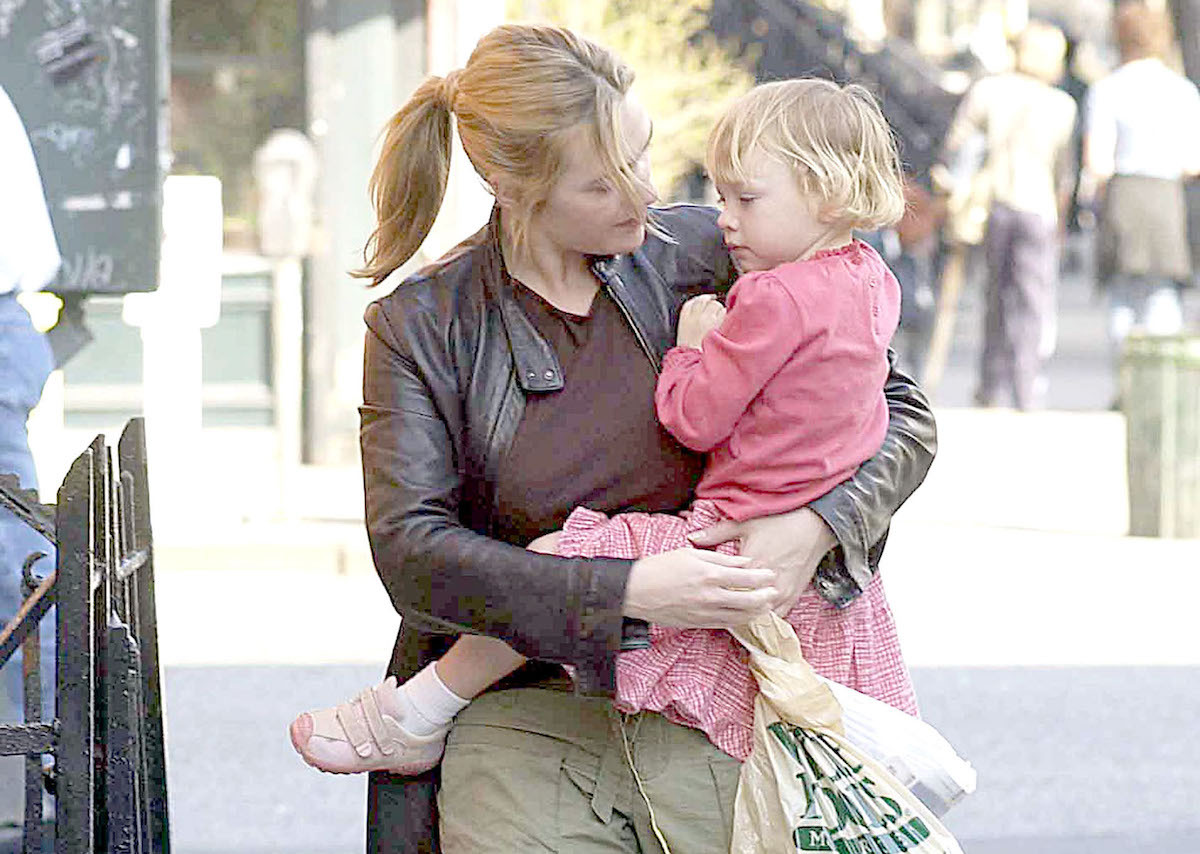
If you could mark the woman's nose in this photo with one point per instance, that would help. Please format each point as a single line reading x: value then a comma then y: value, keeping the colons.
x: 649, y: 191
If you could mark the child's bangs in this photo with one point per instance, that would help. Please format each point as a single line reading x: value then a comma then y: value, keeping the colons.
x: 729, y: 145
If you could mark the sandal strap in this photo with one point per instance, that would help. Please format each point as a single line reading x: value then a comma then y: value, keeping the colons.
x: 384, y: 739
x: 356, y: 731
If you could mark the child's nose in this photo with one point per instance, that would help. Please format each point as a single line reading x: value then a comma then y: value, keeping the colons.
x: 725, y: 220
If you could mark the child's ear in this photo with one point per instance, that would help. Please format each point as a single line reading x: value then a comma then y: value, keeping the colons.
x: 828, y: 214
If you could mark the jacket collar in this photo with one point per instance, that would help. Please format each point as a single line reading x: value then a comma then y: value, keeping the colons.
x: 535, y: 362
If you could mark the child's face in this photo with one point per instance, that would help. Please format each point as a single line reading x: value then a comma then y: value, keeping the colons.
x: 768, y: 220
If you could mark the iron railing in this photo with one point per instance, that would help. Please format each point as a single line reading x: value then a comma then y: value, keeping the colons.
x: 106, y: 738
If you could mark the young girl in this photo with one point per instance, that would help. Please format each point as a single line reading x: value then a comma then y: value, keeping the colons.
x: 783, y: 388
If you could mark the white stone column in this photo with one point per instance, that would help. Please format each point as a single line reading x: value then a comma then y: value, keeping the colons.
x: 188, y: 300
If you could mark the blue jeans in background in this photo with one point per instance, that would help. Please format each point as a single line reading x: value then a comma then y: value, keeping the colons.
x: 25, y: 364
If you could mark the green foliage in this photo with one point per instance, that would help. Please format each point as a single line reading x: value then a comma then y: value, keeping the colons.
x: 684, y: 77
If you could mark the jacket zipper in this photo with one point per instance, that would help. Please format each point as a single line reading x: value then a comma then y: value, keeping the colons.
x: 493, y: 455
x: 611, y: 276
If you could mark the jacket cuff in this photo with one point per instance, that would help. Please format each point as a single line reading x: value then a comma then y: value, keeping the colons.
x: 601, y: 626
x: 845, y: 572
x: 833, y: 581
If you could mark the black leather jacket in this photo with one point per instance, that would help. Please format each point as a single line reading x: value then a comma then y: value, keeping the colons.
x: 450, y: 359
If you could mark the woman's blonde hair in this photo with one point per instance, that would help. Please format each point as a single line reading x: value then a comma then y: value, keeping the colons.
x: 523, y: 90
x: 834, y: 137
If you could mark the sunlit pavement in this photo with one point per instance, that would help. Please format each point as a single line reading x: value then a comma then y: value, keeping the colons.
x: 1057, y: 654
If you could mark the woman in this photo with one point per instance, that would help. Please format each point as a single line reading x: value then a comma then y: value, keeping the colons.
x: 475, y: 441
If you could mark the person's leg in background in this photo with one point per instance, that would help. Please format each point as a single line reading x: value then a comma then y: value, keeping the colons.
x: 1028, y: 299
x: 996, y: 358
x: 1164, y: 308
x: 1149, y: 304
x: 25, y: 364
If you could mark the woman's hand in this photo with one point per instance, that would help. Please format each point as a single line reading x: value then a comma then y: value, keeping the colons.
x: 691, y: 588
x: 699, y: 316
x: 791, y: 544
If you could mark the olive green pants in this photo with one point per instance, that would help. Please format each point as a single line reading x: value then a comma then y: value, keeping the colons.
x: 534, y: 770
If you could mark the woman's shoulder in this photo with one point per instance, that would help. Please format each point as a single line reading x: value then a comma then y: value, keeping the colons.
x: 432, y: 294
x: 690, y: 226
x: 689, y: 243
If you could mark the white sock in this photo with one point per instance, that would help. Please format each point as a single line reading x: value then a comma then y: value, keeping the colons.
x: 425, y: 703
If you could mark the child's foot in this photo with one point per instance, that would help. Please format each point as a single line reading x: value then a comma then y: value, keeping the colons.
x: 369, y: 734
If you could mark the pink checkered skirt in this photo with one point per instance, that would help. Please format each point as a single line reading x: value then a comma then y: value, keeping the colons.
x: 700, y: 677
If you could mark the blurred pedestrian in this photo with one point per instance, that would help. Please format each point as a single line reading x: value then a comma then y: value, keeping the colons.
x: 1023, y: 123
x: 29, y: 259
x: 1142, y: 140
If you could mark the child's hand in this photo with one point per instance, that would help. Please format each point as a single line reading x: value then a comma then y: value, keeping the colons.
x: 699, y: 316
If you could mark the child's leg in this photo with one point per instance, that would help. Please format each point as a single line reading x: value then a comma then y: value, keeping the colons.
x: 402, y: 727
x: 474, y: 663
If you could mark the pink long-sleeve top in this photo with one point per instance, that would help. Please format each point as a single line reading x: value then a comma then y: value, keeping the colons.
x: 787, y: 394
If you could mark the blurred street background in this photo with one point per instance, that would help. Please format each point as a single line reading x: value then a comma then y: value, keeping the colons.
x: 1057, y: 652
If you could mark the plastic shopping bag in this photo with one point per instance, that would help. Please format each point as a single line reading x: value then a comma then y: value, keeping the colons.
x: 914, y: 752
x: 805, y: 787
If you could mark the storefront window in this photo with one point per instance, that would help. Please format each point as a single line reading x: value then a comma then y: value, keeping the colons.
x: 237, y: 73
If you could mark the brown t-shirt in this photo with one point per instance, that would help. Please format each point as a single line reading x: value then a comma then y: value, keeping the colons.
x: 596, y: 441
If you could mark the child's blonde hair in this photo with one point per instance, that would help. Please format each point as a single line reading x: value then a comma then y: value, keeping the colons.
x: 834, y: 137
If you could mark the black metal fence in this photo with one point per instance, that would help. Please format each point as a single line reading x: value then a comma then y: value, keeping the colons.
x: 108, y: 776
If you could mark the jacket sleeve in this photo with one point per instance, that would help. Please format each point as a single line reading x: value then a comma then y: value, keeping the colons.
x: 441, y: 575
x: 859, y: 510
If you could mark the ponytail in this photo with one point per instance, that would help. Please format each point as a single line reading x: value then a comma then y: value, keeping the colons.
x: 521, y: 94
x: 409, y: 180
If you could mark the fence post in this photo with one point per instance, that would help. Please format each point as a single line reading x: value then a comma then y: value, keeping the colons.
x: 135, y: 491
x: 76, y: 634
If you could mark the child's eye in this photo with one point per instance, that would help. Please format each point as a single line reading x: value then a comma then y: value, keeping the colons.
x: 745, y: 200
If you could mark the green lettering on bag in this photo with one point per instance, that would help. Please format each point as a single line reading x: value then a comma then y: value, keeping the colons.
x: 916, y: 831
x: 862, y: 845
x: 842, y: 808
x: 787, y: 738
x: 811, y: 839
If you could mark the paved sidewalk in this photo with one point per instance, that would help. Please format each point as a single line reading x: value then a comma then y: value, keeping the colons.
x: 1056, y: 653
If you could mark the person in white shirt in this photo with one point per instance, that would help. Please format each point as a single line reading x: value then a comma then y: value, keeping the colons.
x: 29, y: 260
x: 1142, y: 140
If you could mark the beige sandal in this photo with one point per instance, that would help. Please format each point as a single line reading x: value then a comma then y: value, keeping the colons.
x: 373, y: 740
